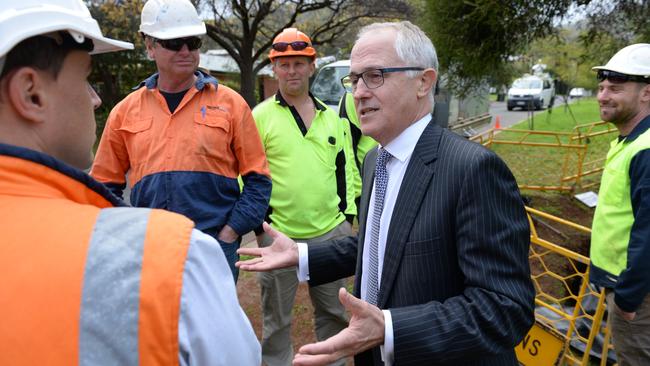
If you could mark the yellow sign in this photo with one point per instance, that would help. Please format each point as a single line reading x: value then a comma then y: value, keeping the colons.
x: 541, y: 346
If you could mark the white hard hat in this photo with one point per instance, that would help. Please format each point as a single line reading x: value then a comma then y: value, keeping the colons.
x: 22, y: 19
x: 631, y: 60
x: 168, y: 19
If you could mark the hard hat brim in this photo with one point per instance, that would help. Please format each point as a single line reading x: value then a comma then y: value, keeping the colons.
x: 104, y: 45
x: 65, y: 22
x: 619, y: 70
x: 307, y: 52
x: 177, y: 32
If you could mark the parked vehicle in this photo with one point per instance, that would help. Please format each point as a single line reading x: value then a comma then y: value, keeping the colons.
x: 460, y: 115
x: 577, y: 93
x: 327, y: 83
x: 531, y: 92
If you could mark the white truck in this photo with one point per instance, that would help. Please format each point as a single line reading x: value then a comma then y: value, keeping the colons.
x: 461, y: 115
x: 531, y: 92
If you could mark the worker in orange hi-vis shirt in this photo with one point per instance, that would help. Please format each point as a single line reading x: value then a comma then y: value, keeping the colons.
x: 184, y: 139
x: 87, y: 280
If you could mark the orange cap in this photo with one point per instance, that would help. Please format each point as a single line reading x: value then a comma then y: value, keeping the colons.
x: 288, y: 36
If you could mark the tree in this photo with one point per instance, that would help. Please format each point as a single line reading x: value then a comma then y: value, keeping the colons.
x: 476, y: 38
x: 115, y: 73
x: 614, y: 25
x: 246, y: 28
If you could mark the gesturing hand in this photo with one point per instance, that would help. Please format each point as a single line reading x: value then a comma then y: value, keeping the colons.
x: 282, y: 253
x: 366, y: 330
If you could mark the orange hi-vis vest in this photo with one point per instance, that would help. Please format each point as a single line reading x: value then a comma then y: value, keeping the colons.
x: 84, y: 282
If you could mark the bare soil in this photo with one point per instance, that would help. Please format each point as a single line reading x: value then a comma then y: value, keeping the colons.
x: 565, y: 206
x: 302, y: 328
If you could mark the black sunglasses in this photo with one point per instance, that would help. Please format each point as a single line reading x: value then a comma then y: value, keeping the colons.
x: 619, y: 78
x: 296, y: 46
x: 193, y: 43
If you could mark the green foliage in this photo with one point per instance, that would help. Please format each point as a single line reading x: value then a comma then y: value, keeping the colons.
x: 615, y: 24
x: 567, y: 57
x: 246, y: 29
x: 115, y: 73
x: 474, y: 39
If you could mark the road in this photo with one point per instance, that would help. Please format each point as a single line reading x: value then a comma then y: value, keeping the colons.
x: 508, y: 118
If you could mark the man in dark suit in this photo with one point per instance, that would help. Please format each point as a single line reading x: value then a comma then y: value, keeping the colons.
x: 441, y: 261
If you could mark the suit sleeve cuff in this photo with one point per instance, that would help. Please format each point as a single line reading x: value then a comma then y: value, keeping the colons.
x: 388, y: 348
x: 303, y: 262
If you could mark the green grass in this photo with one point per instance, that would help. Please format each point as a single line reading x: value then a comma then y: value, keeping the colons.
x: 561, y: 118
x: 543, y: 166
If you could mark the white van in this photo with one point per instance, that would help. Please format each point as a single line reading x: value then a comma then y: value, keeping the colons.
x: 327, y: 83
x: 531, y: 92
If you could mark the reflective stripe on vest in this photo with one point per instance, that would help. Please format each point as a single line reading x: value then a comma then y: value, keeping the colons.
x: 613, y: 217
x: 110, y: 304
x: 84, y: 284
x: 132, y: 288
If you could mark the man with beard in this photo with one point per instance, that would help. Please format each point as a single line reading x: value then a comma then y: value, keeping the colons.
x: 620, y: 244
x: 184, y: 139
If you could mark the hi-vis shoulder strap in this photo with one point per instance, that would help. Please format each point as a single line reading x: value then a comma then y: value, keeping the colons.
x: 131, y: 288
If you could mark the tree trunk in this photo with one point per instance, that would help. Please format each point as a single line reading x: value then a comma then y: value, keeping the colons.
x: 247, y: 80
x: 110, y: 90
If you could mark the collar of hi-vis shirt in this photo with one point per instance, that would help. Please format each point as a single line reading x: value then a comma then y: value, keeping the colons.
x: 29, y: 173
x: 294, y: 112
x: 401, y: 148
x: 202, y: 79
x: 637, y: 131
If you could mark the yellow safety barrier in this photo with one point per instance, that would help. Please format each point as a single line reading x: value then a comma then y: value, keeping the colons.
x: 561, y: 279
x: 550, y: 157
x: 597, y: 136
x: 554, y: 161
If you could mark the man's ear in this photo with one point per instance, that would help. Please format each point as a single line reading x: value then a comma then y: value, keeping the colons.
x: 312, y: 67
x: 27, y: 93
x: 427, y: 82
x: 149, y: 45
x: 645, y: 94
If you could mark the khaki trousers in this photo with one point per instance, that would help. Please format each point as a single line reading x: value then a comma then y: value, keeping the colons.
x: 278, y: 295
x: 631, y: 339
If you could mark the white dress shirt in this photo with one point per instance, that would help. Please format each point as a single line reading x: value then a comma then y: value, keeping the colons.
x: 401, y: 148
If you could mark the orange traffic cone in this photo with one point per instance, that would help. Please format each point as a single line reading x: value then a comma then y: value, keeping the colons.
x: 497, y: 123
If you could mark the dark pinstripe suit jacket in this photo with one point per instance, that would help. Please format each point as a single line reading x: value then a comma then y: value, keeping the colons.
x: 456, y: 276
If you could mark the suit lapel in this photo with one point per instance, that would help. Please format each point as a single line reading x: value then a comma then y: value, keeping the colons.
x: 414, y: 185
x: 368, y: 179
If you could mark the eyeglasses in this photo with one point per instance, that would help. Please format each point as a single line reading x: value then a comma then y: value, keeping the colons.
x: 193, y: 43
x: 619, y: 78
x: 373, y: 78
x: 296, y: 46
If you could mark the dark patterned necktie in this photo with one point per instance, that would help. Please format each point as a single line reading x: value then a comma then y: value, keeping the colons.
x: 381, y: 181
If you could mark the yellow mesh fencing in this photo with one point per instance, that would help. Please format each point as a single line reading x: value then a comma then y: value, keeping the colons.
x: 597, y: 136
x: 566, y: 327
x: 553, y: 161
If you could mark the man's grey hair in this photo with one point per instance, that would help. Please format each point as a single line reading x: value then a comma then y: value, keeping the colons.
x: 412, y: 46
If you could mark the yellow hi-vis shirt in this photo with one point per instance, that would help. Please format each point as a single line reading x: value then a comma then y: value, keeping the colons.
x: 361, y: 144
x: 312, y: 170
